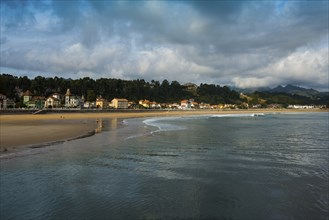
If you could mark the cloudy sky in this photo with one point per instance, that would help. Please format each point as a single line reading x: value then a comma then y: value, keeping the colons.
x: 237, y: 43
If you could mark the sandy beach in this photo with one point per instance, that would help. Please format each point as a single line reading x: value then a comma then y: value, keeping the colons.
x: 22, y: 131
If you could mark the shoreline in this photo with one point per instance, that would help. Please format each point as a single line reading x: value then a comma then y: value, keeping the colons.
x: 26, y: 131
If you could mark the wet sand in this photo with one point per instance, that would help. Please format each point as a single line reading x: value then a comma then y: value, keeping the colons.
x: 21, y: 131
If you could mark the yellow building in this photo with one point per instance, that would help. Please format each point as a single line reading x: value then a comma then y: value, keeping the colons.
x: 119, y: 103
x: 101, y: 103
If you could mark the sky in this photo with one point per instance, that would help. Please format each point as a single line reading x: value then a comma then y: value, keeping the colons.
x: 243, y: 44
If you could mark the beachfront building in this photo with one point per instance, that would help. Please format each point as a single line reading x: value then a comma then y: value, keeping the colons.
x: 301, y: 106
x: 75, y: 102
x: 31, y: 101
x: 204, y: 105
x: 56, y: 96
x: 52, y: 102
x: 119, y: 103
x: 132, y: 105
x: 185, y: 104
x: 194, y: 105
x: 155, y: 105
x: 68, y: 97
x: 173, y: 106
x: 11, y: 103
x: 88, y: 104
x: 101, y: 103
x: 72, y: 101
x: 3, y: 102
x: 145, y: 103
x: 27, y: 98
x: 39, y: 102
x: 230, y: 106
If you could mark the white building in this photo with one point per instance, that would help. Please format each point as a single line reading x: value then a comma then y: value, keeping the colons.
x: 72, y: 101
x: 301, y: 106
x: 3, y: 101
x: 186, y: 104
x: 52, y: 102
x: 88, y: 104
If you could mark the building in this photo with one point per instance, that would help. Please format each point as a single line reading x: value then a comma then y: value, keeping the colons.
x: 301, y: 106
x: 56, y: 95
x: 39, y: 102
x: 204, y: 105
x: 101, y: 103
x: 27, y: 98
x: 68, y: 97
x: 3, y: 102
x: 11, y: 103
x: 132, y: 105
x: 89, y: 104
x: 52, y: 102
x: 145, y: 103
x: 175, y: 106
x: 155, y: 105
x: 119, y: 103
x: 72, y: 101
x: 194, y: 105
x: 185, y: 104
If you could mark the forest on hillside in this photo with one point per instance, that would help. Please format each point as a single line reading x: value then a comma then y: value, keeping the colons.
x: 134, y: 90
x: 108, y: 88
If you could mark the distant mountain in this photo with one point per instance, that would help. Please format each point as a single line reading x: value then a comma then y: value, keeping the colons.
x: 251, y: 90
x: 295, y: 90
x: 288, y: 89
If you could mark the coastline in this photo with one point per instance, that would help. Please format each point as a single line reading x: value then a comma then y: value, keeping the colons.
x: 18, y: 132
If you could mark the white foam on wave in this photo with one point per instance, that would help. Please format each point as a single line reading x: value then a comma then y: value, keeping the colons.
x: 160, y: 124
x: 137, y: 136
x: 237, y: 115
x: 163, y: 126
x: 165, y: 123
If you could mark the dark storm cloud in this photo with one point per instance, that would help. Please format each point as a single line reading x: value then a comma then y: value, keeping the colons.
x: 245, y: 43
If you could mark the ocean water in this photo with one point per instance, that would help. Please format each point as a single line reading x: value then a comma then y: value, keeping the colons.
x: 247, y: 166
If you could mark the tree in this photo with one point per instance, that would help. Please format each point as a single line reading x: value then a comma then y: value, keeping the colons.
x: 91, y: 96
x: 24, y: 83
x: 38, y: 85
x: 8, y: 83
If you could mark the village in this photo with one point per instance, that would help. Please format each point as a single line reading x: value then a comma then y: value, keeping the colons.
x: 68, y: 100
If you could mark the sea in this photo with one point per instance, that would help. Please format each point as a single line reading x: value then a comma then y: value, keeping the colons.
x: 218, y: 166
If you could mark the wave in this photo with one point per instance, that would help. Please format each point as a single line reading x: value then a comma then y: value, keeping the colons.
x: 138, y: 135
x: 163, y: 126
x: 163, y: 123
x: 237, y: 115
x: 147, y: 127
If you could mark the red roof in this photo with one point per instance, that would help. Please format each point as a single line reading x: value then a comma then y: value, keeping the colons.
x: 27, y: 93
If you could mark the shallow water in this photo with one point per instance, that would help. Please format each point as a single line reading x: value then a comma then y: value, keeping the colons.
x: 272, y: 166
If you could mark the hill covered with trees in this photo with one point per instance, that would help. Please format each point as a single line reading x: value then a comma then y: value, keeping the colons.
x: 162, y: 92
x: 108, y: 88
